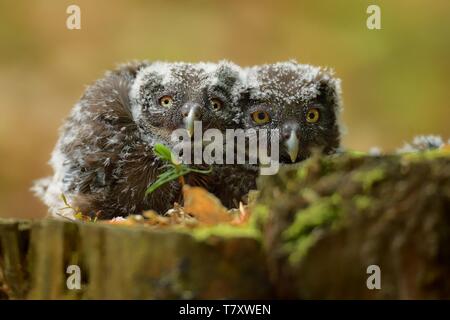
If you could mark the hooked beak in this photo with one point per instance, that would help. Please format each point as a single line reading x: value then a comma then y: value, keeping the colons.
x: 292, y: 145
x: 189, y: 121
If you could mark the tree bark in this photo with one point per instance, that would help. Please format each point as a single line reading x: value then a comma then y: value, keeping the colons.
x: 119, y: 262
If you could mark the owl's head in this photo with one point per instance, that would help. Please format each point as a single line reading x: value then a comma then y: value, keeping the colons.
x: 168, y: 96
x: 301, y: 101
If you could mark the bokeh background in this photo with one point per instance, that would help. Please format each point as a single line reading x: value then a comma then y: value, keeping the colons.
x: 395, y: 81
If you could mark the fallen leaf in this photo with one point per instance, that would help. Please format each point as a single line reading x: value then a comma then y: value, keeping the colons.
x: 204, y: 206
x: 153, y: 218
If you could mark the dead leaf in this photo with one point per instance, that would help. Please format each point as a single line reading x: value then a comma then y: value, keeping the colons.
x: 153, y: 218
x: 204, y: 206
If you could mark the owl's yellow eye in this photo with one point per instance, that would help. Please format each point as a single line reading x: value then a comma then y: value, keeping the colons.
x: 312, y: 115
x: 260, y: 117
x: 166, y: 101
x: 216, y: 104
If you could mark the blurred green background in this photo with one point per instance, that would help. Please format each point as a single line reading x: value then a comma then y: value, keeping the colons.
x: 395, y: 80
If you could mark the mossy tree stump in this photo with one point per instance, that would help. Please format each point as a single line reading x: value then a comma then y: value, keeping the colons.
x: 329, y: 219
x: 315, y: 229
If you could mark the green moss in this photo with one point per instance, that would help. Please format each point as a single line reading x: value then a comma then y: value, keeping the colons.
x: 225, y: 231
x: 426, y: 155
x: 369, y: 178
x: 300, y: 248
x: 356, y: 154
x: 309, y: 194
x: 302, y: 172
x: 362, y: 202
x: 260, y: 214
x: 315, y: 164
x: 301, y: 235
x: 327, y: 165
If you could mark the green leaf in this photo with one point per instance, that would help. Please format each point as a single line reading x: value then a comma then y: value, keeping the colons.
x: 163, y: 152
x: 64, y: 199
x: 174, y: 170
x: 163, y: 179
x: 199, y: 171
x: 166, y: 174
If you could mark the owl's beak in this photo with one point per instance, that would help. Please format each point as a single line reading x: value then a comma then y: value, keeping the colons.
x: 189, y: 121
x: 292, y: 145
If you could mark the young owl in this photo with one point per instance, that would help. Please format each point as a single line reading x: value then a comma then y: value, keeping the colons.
x: 104, y: 161
x: 422, y: 143
x: 301, y: 101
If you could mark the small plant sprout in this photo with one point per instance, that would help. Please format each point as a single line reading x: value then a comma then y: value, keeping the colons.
x: 174, y: 168
x: 77, y: 214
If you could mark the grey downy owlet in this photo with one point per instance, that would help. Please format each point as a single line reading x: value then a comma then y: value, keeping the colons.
x: 422, y: 143
x: 104, y: 161
x: 301, y: 101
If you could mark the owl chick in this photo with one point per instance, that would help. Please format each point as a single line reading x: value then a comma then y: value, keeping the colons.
x: 301, y: 101
x: 104, y: 161
x: 422, y: 143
